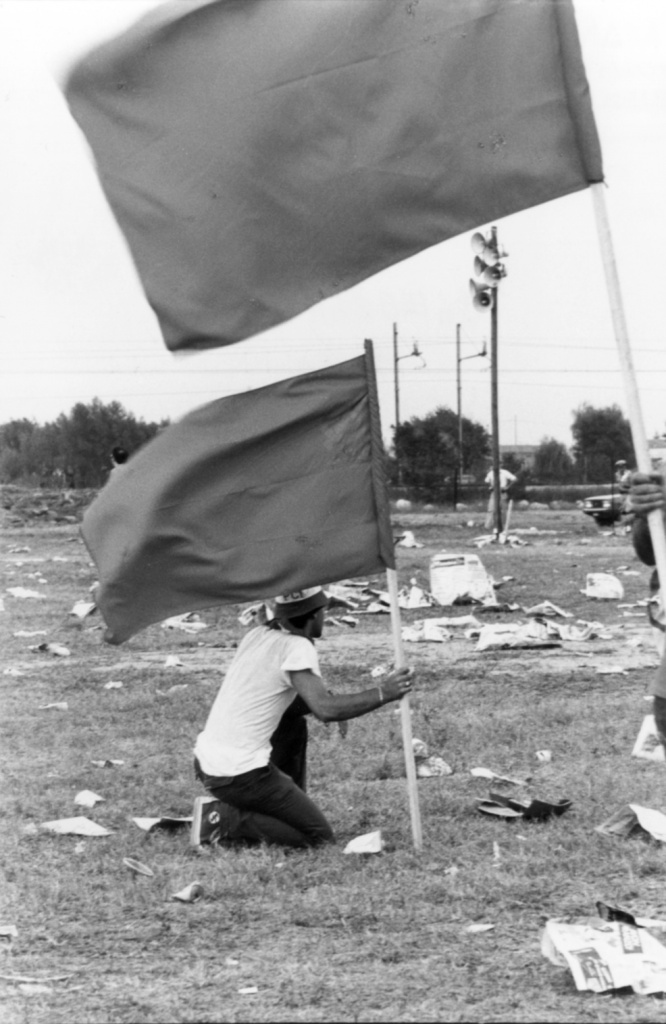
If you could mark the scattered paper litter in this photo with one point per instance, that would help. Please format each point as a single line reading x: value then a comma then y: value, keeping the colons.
x: 547, y: 608
x: 648, y: 745
x: 113, y: 684
x: 190, y: 894
x: 407, y: 540
x: 75, y: 827
x: 12, y: 672
x: 603, y: 586
x: 30, y: 632
x: 24, y: 593
x: 609, y: 952
x: 478, y: 928
x: 57, y: 649
x: 545, y: 756
x: 487, y: 773
x: 108, y: 762
x: 611, y: 670
x: 371, y: 842
x: 60, y: 705
x: 508, y: 635
x: 633, y: 818
x: 172, y: 661
x: 8, y: 932
x: 86, y: 798
x: 455, y: 579
x: 249, y: 990
x: 189, y: 623
x: 82, y: 609
x: 425, y: 631
x: 419, y: 748
x: 137, y: 867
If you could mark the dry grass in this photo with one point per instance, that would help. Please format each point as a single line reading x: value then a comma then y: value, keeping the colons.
x: 322, y: 936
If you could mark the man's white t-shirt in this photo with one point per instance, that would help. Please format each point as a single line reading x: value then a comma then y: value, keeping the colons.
x: 505, y: 478
x: 255, y: 694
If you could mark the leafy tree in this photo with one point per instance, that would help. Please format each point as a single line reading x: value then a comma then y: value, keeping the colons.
x: 427, y: 451
x: 74, y: 450
x: 553, y: 463
x: 601, y: 437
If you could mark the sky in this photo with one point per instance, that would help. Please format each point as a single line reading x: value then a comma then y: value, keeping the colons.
x: 75, y: 324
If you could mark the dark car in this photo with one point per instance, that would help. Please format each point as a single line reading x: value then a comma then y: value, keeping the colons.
x: 605, y: 508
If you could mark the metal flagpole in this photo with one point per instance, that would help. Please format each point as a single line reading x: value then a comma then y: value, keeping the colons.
x: 643, y: 461
x: 383, y: 516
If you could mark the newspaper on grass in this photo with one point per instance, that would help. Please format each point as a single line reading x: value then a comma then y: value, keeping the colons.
x: 633, y: 819
x: 370, y: 842
x: 612, y: 951
x: 603, y: 586
x: 459, y: 579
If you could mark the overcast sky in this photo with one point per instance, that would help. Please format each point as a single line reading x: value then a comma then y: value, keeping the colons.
x: 74, y: 323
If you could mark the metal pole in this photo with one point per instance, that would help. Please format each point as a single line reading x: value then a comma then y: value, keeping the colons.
x: 459, y: 391
x: 397, y: 402
x: 494, y: 408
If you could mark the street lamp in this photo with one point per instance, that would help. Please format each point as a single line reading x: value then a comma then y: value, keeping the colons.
x: 396, y: 359
x: 459, y: 360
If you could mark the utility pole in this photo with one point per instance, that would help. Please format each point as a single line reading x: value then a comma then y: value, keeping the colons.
x: 485, y: 294
x: 459, y: 360
x: 396, y: 359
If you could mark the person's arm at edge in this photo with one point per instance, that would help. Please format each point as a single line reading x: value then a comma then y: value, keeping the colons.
x: 337, y: 707
x: 646, y: 493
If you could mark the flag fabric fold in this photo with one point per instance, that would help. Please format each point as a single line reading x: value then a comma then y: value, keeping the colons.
x: 261, y: 156
x: 244, y: 498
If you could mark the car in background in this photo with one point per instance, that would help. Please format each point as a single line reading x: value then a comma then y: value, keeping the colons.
x: 605, y: 508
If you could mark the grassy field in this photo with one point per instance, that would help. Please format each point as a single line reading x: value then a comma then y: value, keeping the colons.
x: 320, y: 936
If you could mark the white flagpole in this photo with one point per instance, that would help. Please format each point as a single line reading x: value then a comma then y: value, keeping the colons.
x: 643, y: 461
x: 405, y: 713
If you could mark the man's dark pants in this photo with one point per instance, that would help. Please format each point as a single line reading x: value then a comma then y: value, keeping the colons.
x: 271, y: 802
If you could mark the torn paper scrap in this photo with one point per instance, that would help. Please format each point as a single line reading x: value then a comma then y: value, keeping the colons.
x: 12, y: 672
x: 425, y: 631
x: 137, y: 867
x: 476, y: 929
x: 648, y: 745
x: 548, y: 608
x: 190, y: 894
x: 82, y: 609
x: 371, y: 842
x: 59, y: 705
x: 22, y: 592
x: 30, y: 632
x: 75, y: 827
x: 507, y: 635
x: 487, y: 773
x: 58, y: 650
x: 608, y: 954
x: 603, y: 586
x: 458, y: 579
x: 189, y: 622
x: 172, y: 661
x: 633, y: 818
x: 407, y: 540
x: 166, y: 823
x: 86, y: 798
x: 108, y: 762
x: 113, y: 684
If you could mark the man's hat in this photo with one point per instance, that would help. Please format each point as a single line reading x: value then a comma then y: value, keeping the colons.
x: 300, y: 602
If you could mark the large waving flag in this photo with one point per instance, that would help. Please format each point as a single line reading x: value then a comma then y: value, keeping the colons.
x: 262, y: 155
x: 249, y: 496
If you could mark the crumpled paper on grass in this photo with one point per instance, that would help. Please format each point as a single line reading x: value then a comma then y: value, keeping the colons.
x: 529, y: 634
x: 635, y: 819
x: 460, y: 578
x: 603, y: 586
x: 370, y: 842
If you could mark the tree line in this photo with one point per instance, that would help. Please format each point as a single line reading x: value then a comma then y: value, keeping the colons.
x: 73, y: 451
x: 427, y: 458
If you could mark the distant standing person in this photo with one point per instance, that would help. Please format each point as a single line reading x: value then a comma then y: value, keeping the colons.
x: 119, y: 457
x: 506, y: 480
